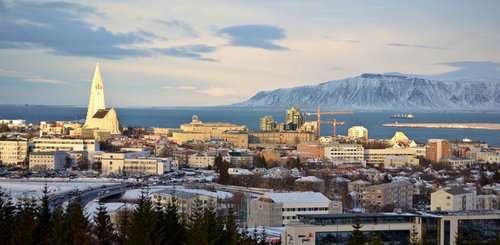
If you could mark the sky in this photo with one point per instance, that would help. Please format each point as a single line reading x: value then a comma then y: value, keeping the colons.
x: 204, y: 53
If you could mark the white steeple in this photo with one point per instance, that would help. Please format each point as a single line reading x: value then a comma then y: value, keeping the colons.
x: 96, y: 101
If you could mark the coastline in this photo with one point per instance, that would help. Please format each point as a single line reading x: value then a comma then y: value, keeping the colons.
x: 486, y: 126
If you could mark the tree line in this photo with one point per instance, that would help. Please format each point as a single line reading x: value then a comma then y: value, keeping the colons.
x: 31, y: 221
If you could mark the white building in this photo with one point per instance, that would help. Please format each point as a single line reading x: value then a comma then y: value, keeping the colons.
x: 279, y: 209
x: 342, y: 152
x: 358, y: 132
x: 453, y: 199
x: 46, y: 161
x: 401, y: 161
x: 13, y: 152
x: 205, y: 159
x: 60, y: 144
x: 135, y: 163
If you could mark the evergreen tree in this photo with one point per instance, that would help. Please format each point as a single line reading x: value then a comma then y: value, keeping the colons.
x: 174, y: 226
x: 58, y: 233
x: 43, y: 217
x: 218, y: 163
x: 459, y: 237
x: 230, y: 234
x: 141, y: 228
x: 223, y: 173
x: 7, y: 214
x: 77, y: 223
x: 357, y: 237
x: 375, y: 238
x: 103, y: 228
x: 25, y: 223
x: 121, y: 226
x: 414, y: 237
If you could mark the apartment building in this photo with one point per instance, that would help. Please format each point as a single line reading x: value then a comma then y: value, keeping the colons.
x: 13, y: 152
x: 47, y: 161
x: 454, y: 199
x: 391, y: 195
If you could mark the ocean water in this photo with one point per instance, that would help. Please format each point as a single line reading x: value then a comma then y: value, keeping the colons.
x: 173, y: 117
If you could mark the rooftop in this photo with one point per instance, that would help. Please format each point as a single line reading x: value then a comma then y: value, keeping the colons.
x: 298, y: 197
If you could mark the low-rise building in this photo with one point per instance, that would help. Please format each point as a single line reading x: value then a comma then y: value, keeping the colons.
x: 186, y: 200
x: 378, y: 156
x: 338, y: 151
x: 47, y: 161
x: 459, y: 161
x: 291, y: 138
x: 278, y: 209
x: 240, y: 159
x: 487, y: 156
x: 63, y: 144
x: 134, y: 163
x: 488, y: 202
x: 389, y: 196
x: 314, y: 148
x: 13, y: 152
x: 358, y: 132
x: 401, y: 161
x: 453, y: 199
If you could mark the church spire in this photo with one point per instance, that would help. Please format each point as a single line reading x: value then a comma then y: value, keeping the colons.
x: 96, y: 101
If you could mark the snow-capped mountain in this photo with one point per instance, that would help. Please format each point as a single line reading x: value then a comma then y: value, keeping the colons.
x: 386, y: 92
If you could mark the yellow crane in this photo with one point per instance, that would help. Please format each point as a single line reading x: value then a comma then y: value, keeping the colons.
x: 319, y: 113
x: 334, y: 123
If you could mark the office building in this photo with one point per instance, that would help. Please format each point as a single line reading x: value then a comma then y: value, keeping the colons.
x: 134, y: 163
x: 437, y: 150
x: 278, y: 209
x: 347, y: 153
x: 378, y: 156
x: 44, y: 144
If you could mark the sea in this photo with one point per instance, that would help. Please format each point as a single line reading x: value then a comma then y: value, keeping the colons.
x: 172, y: 117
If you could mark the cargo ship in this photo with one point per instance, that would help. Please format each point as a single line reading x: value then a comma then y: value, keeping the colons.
x: 403, y: 116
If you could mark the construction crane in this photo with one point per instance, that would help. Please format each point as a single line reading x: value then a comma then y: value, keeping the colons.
x: 319, y: 113
x: 334, y: 123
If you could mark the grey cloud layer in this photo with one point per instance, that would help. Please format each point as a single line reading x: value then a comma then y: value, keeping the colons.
x: 59, y: 27
x: 406, y: 45
x: 256, y: 36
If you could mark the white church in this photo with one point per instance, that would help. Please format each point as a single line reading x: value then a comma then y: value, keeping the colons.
x: 99, y: 119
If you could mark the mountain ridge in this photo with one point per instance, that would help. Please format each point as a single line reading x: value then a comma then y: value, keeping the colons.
x: 387, y: 92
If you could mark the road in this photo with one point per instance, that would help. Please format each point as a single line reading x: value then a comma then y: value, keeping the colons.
x: 87, y: 195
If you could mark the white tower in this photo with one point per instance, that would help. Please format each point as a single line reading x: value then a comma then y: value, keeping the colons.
x: 96, y: 96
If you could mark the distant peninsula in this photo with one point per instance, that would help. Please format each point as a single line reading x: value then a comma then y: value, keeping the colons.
x: 488, y: 126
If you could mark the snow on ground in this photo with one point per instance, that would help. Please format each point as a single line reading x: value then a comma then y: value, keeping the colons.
x: 135, y: 193
x: 33, y: 189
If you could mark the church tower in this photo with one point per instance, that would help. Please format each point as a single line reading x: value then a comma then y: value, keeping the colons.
x: 96, y: 96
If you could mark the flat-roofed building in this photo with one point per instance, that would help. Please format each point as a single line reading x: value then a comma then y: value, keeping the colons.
x: 291, y: 138
x: 134, y: 163
x: 206, y: 159
x: 350, y: 152
x: 378, y: 156
x: 313, y: 229
x: 47, y: 161
x: 458, y: 161
x: 63, y: 144
x: 454, y: 199
x: 437, y: 150
x: 278, y: 209
x: 401, y: 161
x: 13, y: 152
x: 187, y: 198
x: 314, y: 148
x: 389, y: 196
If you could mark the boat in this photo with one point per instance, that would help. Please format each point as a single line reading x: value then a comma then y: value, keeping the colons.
x: 403, y: 116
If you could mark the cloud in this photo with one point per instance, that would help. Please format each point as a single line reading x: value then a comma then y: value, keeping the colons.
x: 184, y: 88
x: 189, y: 51
x: 217, y: 91
x: 28, y: 77
x: 256, y: 36
x: 182, y: 26
x: 473, y: 69
x: 60, y: 27
x: 405, y: 45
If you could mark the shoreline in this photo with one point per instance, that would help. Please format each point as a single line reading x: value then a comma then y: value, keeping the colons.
x: 485, y: 126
